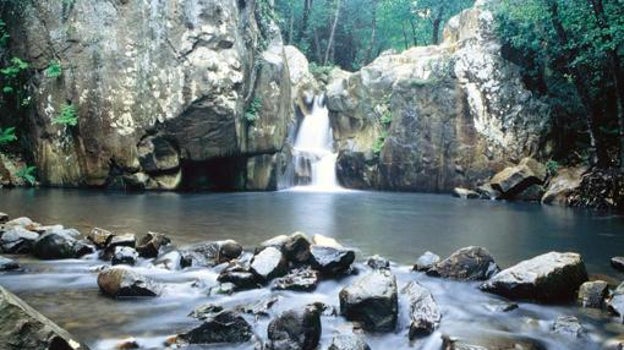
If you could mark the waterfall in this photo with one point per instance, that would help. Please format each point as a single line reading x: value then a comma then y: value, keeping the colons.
x: 314, y: 156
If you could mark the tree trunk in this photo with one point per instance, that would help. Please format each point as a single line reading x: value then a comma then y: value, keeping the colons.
x: 405, y: 36
x: 371, y: 45
x: 413, y: 25
x: 291, y: 26
x: 437, y: 21
x: 332, y: 34
x: 307, y: 8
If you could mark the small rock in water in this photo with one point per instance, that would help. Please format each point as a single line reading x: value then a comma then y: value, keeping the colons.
x: 127, y: 344
x: 213, y: 252
x: 150, y: 244
x: 82, y: 248
x: 297, y: 248
x: 618, y: 263
x: 592, y: 294
x: 4, y: 218
x: 348, y: 342
x: 616, y: 302
x: 206, y: 311
x: 54, y: 245
x: 376, y: 262
x: 21, y: 221
x: 17, y: 240
x: 424, y: 311
x: 331, y: 261
x: 123, y: 240
x: 172, y: 260
x: 120, y: 282
x: 303, y: 279
x: 7, y: 264
x: 326, y: 241
x: 99, y: 237
x: 469, y: 263
x: 259, y: 308
x: 224, y: 327
x: 488, y: 192
x: 239, y: 276
x: 426, y: 261
x: 501, y: 306
x: 269, y: 264
x: 490, y: 341
x: 372, y: 301
x: 568, y: 326
x: 124, y: 255
x: 464, y: 193
x: 295, y: 329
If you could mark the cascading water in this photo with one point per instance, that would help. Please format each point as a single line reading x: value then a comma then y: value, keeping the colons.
x: 314, y: 157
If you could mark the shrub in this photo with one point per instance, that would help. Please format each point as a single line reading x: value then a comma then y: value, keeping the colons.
x: 7, y: 135
x: 251, y: 115
x: 67, y: 116
x: 552, y: 167
x: 54, y: 69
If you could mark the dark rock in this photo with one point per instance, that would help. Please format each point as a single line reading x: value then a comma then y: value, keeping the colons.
x: 592, y: 294
x: 269, y: 264
x: 7, y: 264
x: 501, y: 306
x: 302, y: 279
x: 295, y: 329
x: 486, y: 191
x: 224, y: 327
x: 464, y: 193
x: 240, y: 276
x: 550, y: 277
x: 122, y: 240
x: 512, y: 181
x: 372, y: 301
x: 127, y: 344
x: 54, y: 246
x: 618, y: 263
x: 120, y: 282
x: 124, y: 255
x: 206, y: 311
x: 469, y: 263
x: 616, y: 302
x: 172, y: 260
x: 376, y: 262
x: 348, y: 342
x: 568, y: 326
x: 426, y: 261
x: 533, y: 193
x: 331, y: 261
x: 297, y: 248
x: 82, y: 248
x: 4, y: 218
x: 17, y: 240
x: 213, y: 252
x: 22, y: 327
x: 99, y: 237
x: 259, y: 308
x: 150, y: 244
x: 424, y: 312
x: 491, y: 342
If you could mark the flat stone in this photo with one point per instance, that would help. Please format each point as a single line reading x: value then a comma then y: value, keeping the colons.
x: 269, y: 264
x: 206, y: 311
x: 125, y: 240
x: 259, y: 308
x: 120, y: 282
x: 592, y: 294
x: 469, y: 263
x: 426, y: 261
x: 424, y: 311
x: 303, y: 279
x: 331, y: 261
x: 21, y: 221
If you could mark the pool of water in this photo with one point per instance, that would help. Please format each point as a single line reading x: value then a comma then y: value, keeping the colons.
x: 399, y: 226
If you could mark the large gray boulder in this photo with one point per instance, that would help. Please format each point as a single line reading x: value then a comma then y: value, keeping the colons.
x: 212, y: 253
x: 516, y: 180
x: 550, y: 277
x: 22, y: 327
x: 424, y: 311
x: 269, y: 264
x: 121, y: 282
x: 55, y: 245
x: 372, y: 301
x: 295, y: 330
x: 17, y: 240
x: 563, y: 185
x: 469, y: 263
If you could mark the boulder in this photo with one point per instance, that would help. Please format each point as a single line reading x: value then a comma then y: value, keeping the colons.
x: 4, y: 218
x: 260, y: 307
x: 514, y: 180
x: 532, y: 193
x: 269, y: 264
x: 550, y: 277
x: 297, y: 248
x: 424, y: 311
x: 150, y: 244
x: 120, y: 282
x: 618, y: 263
x: 491, y: 342
x: 213, y: 252
x: 426, y: 261
x: 464, y: 193
x: 22, y: 327
x: 295, y: 329
x: 488, y: 192
x: 54, y: 245
x: 593, y: 294
x: 17, y: 240
x: 331, y: 261
x: 124, y: 255
x: 568, y: 326
x: 564, y: 184
x: 240, y: 276
x: 7, y: 264
x: 616, y: 302
x: 348, y: 342
x: 99, y: 237
x: 224, y: 327
x: 122, y: 240
x: 22, y: 221
x: 82, y: 248
x: 372, y: 301
x: 376, y: 262
x: 302, y: 279
x: 469, y: 263
x: 172, y: 260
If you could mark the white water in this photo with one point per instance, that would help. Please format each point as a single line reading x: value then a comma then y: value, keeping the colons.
x: 314, y: 144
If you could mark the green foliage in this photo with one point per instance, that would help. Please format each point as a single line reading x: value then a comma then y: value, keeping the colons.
x: 552, y: 167
x: 320, y: 70
x: 252, y: 113
x: 4, y: 36
x: 379, y: 143
x: 7, y: 135
x: 386, y: 118
x: 67, y: 117
x: 27, y: 174
x: 54, y: 69
x: 16, y: 67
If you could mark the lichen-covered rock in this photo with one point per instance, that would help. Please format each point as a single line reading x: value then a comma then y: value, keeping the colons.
x: 22, y: 327
x: 348, y: 342
x: 593, y: 294
x: 295, y: 329
x: 469, y: 263
x: 371, y: 300
x: 424, y: 311
x: 120, y: 282
x: 303, y: 279
x: 550, y: 277
x: 224, y: 327
x: 269, y: 264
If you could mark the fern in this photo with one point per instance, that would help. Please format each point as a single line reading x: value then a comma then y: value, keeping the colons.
x: 54, y: 69
x: 7, y: 135
x: 27, y: 174
x: 67, y: 116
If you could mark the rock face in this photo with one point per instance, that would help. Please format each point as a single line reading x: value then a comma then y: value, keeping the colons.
x: 469, y: 263
x: 438, y: 117
x: 424, y: 312
x: 118, y: 282
x: 550, y: 277
x: 295, y: 329
x: 22, y: 327
x: 223, y: 327
x: 156, y: 88
x: 372, y: 301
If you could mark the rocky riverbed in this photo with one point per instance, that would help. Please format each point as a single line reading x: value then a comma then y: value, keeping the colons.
x: 292, y: 292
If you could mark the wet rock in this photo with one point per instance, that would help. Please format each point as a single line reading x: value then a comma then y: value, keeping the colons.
x: 124, y: 255
x: 150, y: 244
x: 259, y: 308
x: 120, y: 282
x: 122, y: 240
x: 172, y: 260
x: 99, y: 237
x: 7, y: 264
x: 17, y: 240
x: 615, y: 343
x: 54, y: 245
x: 326, y: 241
x: 617, y: 262
x: 491, y: 342
x: 426, y: 261
x: 376, y: 262
x: 297, y: 248
x: 206, y: 311
x: 616, y: 302
x: 532, y: 193
x: 550, y: 277
x: 564, y: 184
x: 21, y: 221
x: 240, y: 276
x: 4, y: 218
x: 213, y: 252
x: 469, y: 263
x: 82, y: 248
x: 424, y: 311
x: 269, y: 264
x: 295, y: 329
x: 348, y: 342
x: 331, y: 261
x: 224, y: 327
x: 302, y: 279
x: 592, y: 294
x: 568, y: 326
x: 464, y: 193
x: 127, y: 344
x: 486, y: 191
x: 372, y: 301
x: 513, y: 180
x: 501, y: 306
x: 22, y: 327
